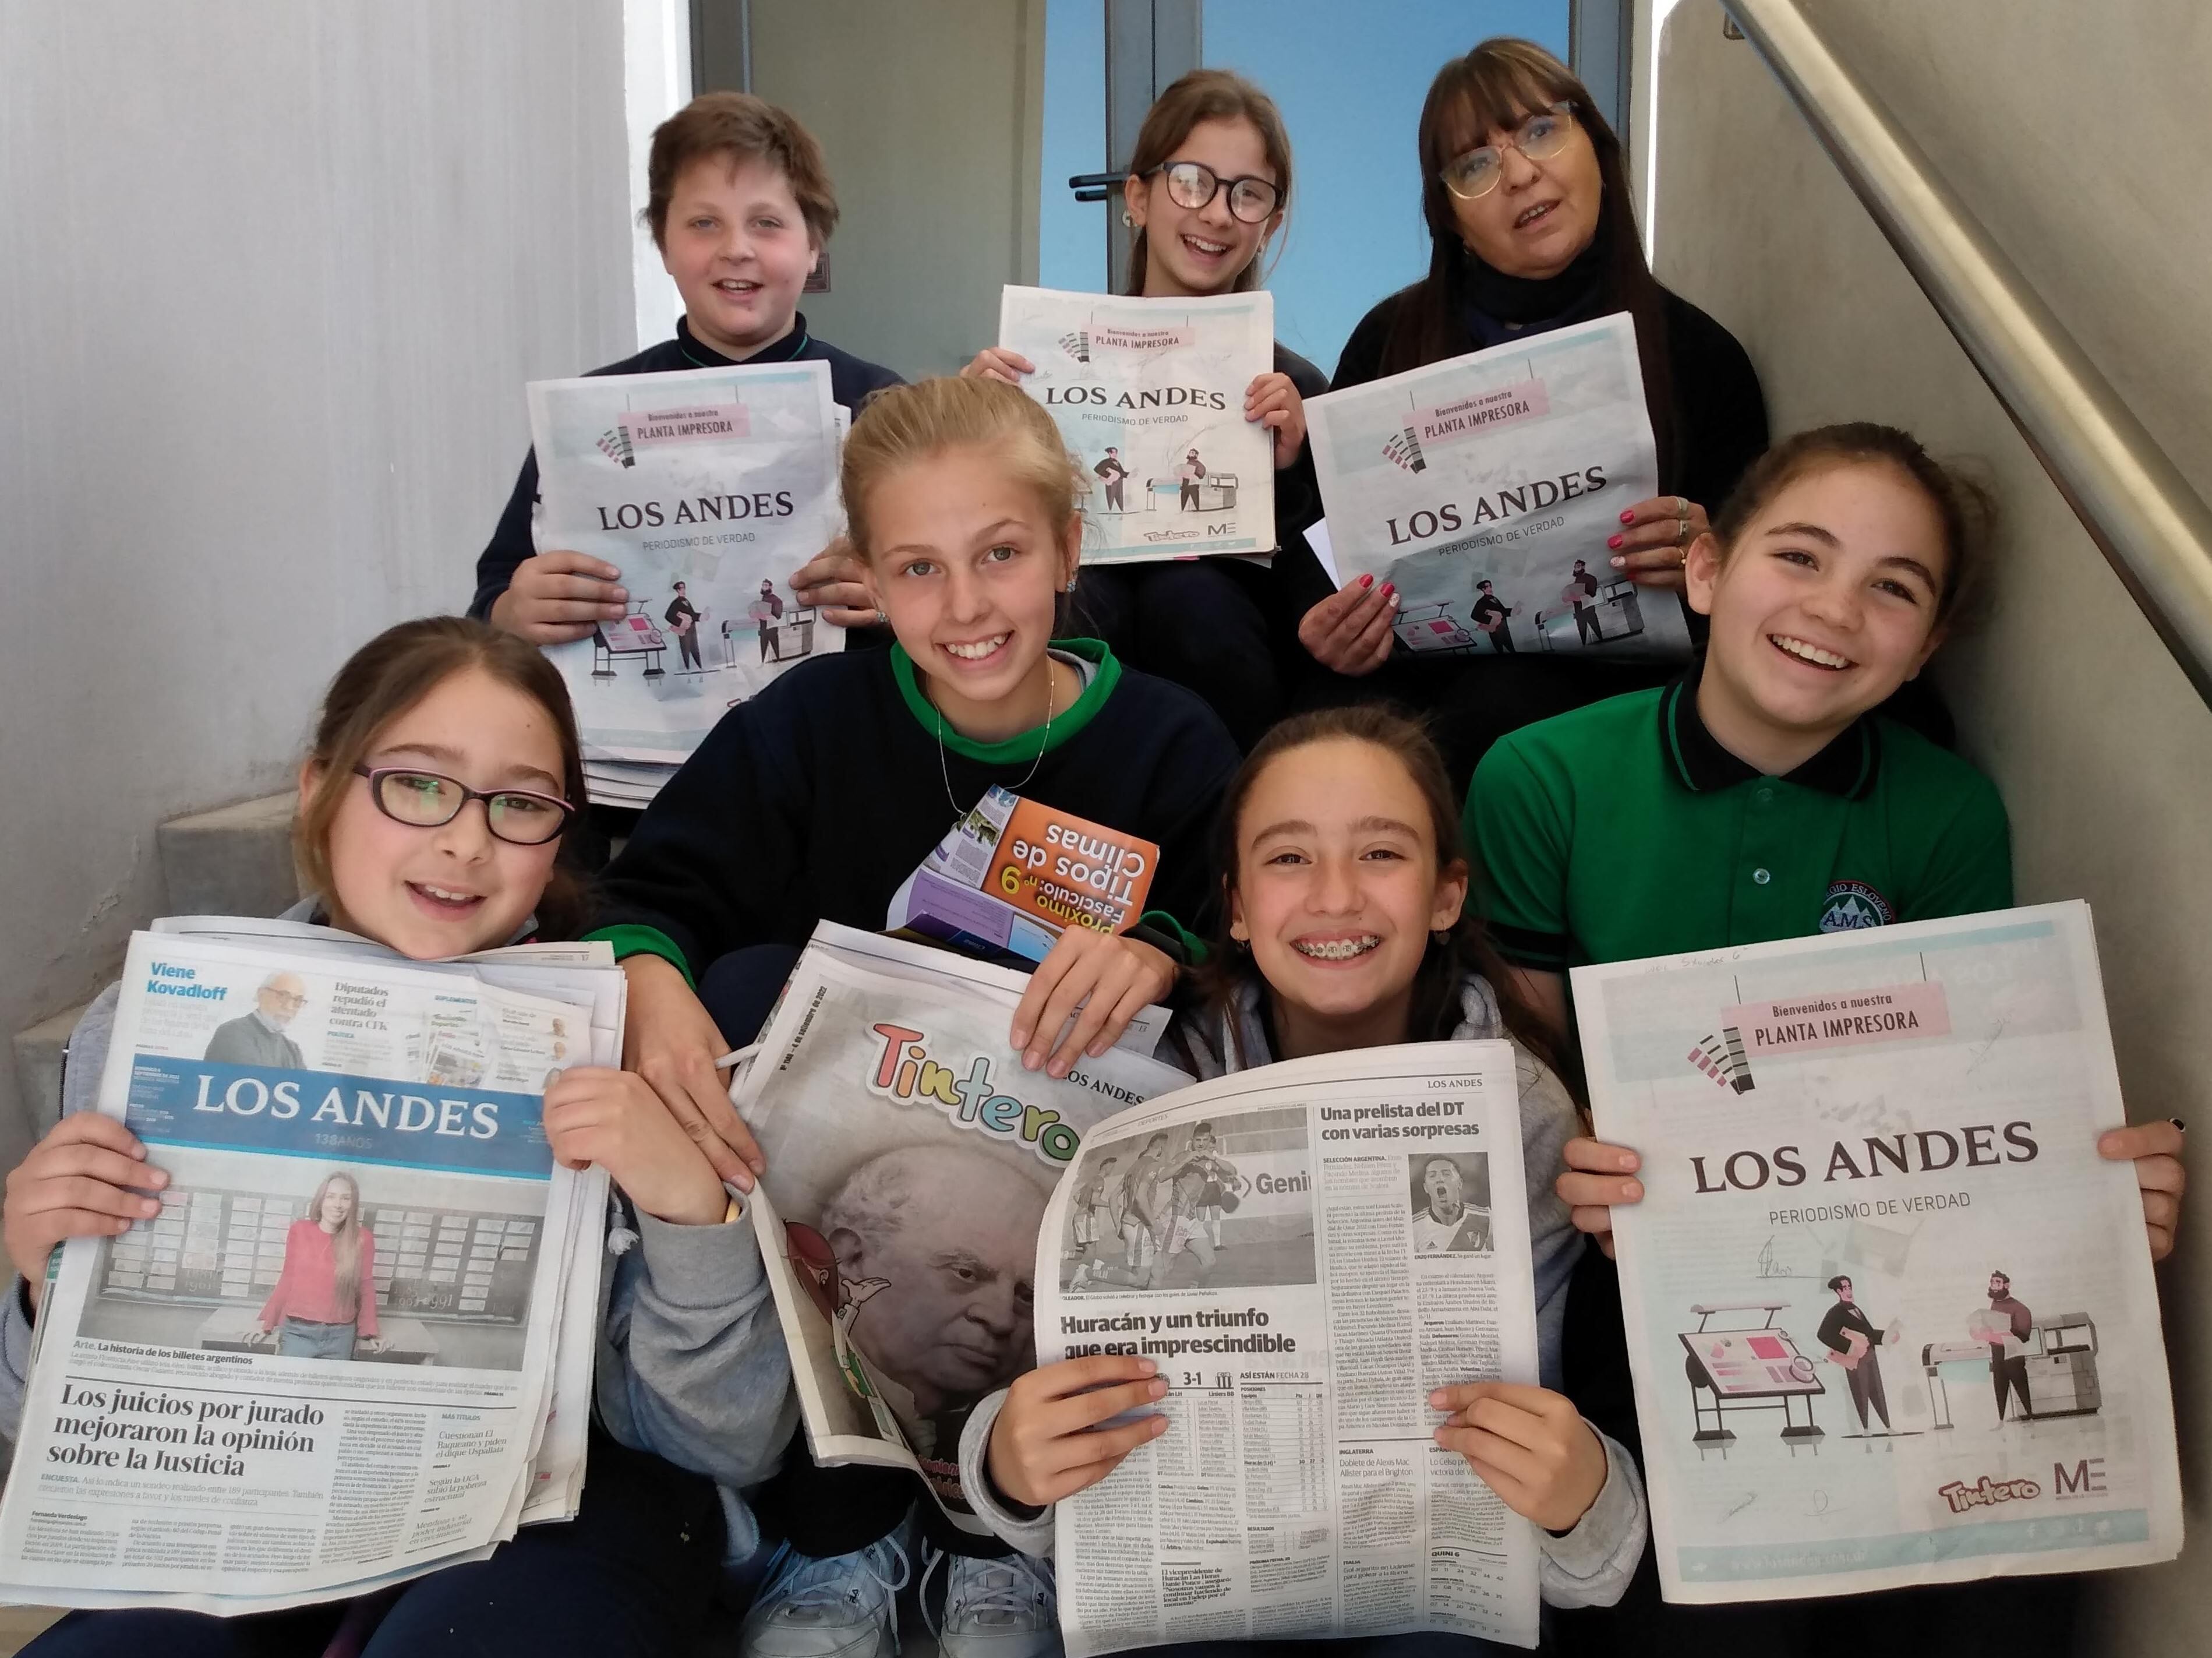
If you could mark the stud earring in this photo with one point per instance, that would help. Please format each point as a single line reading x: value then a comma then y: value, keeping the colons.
x: 1442, y: 936
x: 1125, y: 219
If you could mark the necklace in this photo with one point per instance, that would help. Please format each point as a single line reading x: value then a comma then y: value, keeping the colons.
x: 945, y: 771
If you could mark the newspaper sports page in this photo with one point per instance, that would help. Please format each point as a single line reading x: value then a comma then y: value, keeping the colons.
x: 707, y: 488
x: 911, y: 1157
x: 1891, y: 1318
x: 1306, y: 1249
x: 1149, y: 397
x: 1485, y: 487
x: 329, y: 1361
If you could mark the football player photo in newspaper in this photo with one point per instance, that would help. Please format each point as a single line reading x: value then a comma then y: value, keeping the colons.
x: 1451, y: 1203
x: 324, y: 1261
x: 1214, y: 1206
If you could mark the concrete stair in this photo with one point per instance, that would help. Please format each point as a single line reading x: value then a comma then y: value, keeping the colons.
x: 234, y: 859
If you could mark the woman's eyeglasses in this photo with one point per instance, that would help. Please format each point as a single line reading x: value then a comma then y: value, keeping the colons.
x: 1542, y: 136
x: 426, y: 800
x: 1193, y: 184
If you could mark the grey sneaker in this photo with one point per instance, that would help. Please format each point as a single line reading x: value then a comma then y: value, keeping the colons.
x: 1001, y: 1608
x: 846, y: 1606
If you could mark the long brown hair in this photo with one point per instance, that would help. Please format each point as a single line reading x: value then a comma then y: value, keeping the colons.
x: 1500, y: 83
x: 391, y: 674
x: 1207, y: 95
x: 345, y: 1242
x: 1964, y: 507
x: 1436, y: 1012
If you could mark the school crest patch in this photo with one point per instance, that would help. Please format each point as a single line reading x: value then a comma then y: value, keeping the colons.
x: 1852, y: 904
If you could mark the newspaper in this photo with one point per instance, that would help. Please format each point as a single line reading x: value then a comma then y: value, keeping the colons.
x: 1485, y: 487
x: 1013, y: 874
x: 1891, y: 1316
x: 909, y: 1160
x: 1148, y: 396
x: 194, y: 1434
x: 1306, y: 1250
x: 707, y: 488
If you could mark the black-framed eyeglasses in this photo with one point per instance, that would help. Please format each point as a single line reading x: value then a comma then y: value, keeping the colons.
x: 1193, y: 184
x: 426, y: 800
x: 1542, y: 136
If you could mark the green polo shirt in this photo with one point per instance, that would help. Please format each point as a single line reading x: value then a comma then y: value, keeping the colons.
x: 1625, y: 830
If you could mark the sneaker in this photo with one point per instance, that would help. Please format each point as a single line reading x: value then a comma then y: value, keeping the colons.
x: 843, y: 1607
x: 1002, y: 1608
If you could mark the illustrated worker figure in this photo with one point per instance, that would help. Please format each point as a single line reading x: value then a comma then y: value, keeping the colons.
x: 257, y: 1038
x: 683, y: 619
x: 1851, y: 1340
x: 1114, y: 473
x: 1192, y: 470
x: 766, y: 612
x: 2009, y: 1368
x: 1490, y: 614
x: 1580, y: 591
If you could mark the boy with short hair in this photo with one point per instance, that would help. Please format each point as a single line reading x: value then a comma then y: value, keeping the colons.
x: 740, y: 204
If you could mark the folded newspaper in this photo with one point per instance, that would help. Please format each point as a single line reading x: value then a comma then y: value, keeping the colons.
x: 909, y: 1160
x: 1149, y: 397
x: 1305, y: 1250
x: 707, y: 488
x: 1013, y: 874
x: 1485, y: 488
x: 1891, y: 1318
x: 355, y: 1345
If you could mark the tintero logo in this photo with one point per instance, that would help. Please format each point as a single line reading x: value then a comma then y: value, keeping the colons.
x: 1986, y: 1493
x: 905, y: 1072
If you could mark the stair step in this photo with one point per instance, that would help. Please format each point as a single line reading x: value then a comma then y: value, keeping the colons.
x: 234, y: 861
x: 39, y: 1067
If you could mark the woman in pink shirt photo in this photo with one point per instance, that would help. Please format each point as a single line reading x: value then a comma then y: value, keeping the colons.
x: 326, y: 1298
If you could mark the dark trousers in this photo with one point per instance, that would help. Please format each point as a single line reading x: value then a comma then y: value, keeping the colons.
x: 1866, y: 1389
x: 632, y: 1577
x: 1586, y: 623
x: 2012, y: 1374
x: 688, y: 643
x: 1203, y: 622
x: 821, y: 1511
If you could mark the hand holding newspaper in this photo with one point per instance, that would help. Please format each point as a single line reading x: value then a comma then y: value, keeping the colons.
x: 705, y: 488
x: 1305, y: 1250
x: 1890, y: 1316
x: 901, y: 1133
x: 1485, y: 487
x: 1149, y: 397
x: 355, y: 1344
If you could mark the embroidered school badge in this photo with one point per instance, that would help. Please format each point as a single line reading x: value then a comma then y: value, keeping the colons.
x: 1852, y: 904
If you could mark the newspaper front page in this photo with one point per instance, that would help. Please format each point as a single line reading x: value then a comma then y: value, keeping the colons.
x: 1149, y: 397
x: 707, y: 488
x: 328, y: 1362
x: 1306, y: 1250
x: 909, y: 1160
x: 1485, y: 487
x: 1891, y: 1318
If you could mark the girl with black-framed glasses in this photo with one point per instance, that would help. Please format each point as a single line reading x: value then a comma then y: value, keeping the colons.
x: 1207, y: 189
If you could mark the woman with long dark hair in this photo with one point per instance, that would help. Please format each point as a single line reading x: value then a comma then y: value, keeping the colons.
x: 1532, y: 228
x: 325, y: 1301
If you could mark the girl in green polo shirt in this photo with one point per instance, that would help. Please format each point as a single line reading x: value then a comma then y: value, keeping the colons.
x: 1760, y: 796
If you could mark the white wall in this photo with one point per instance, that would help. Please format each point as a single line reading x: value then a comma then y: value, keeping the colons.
x: 2076, y: 135
x: 271, y: 281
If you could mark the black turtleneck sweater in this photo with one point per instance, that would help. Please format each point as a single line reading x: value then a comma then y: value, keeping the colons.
x: 1719, y: 414
x: 851, y: 379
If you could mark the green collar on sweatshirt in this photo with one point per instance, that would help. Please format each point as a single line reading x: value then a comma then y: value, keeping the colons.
x: 1026, y: 745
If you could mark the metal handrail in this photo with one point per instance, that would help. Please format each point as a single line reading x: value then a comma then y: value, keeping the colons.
x: 2154, y: 529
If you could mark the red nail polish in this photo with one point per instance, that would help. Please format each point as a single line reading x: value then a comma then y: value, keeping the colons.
x: 1628, y: 517
x: 1612, y: 541
x: 1388, y: 587
x: 1367, y: 581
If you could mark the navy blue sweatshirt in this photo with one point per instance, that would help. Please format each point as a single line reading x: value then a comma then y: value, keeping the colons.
x: 851, y: 379
x: 816, y: 799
